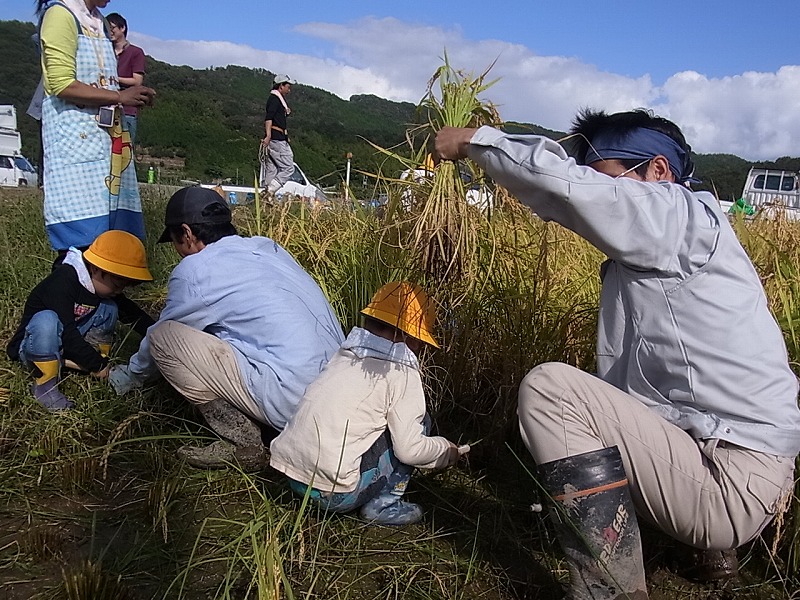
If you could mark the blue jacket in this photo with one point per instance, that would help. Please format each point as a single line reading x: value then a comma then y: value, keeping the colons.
x: 252, y: 294
x: 684, y: 324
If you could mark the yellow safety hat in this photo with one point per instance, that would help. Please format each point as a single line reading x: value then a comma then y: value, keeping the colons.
x: 405, y: 306
x: 119, y: 253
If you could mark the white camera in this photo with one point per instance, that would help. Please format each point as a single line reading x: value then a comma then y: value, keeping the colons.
x: 105, y: 116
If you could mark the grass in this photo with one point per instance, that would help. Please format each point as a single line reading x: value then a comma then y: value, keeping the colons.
x: 95, y: 502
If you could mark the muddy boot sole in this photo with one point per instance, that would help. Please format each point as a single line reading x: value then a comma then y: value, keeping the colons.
x: 222, y: 455
x: 218, y: 455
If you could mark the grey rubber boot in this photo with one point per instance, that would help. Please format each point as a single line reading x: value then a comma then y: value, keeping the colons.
x: 596, y: 525
x: 241, y: 440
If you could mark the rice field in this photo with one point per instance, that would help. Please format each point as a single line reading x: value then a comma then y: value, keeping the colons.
x: 95, y: 504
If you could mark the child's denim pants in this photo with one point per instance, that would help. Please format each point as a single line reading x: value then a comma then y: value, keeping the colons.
x: 43, y: 332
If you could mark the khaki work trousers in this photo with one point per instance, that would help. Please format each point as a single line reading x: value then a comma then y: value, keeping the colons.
x: 201, y: 367
x: 704, y: 493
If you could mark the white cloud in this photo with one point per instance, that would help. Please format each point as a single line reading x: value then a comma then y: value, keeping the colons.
x: 540, y: 89
x: 334, y: 76
x: 753, y: 115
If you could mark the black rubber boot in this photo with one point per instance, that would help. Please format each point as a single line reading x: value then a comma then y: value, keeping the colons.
x: 710, y: 566
x: 596, y: 525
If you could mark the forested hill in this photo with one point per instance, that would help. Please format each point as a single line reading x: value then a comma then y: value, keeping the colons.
x: 208, y: 123
x: 213, y: 119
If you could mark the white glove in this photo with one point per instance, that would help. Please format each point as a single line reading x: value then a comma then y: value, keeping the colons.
x: 122, y: 380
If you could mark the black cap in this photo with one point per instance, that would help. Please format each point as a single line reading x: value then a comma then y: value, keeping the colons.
x: 194, y: 205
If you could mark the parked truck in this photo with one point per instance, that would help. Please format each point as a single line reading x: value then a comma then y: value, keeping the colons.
x: 15, y: 169
x: 770, y: 193
x: 773, y: 191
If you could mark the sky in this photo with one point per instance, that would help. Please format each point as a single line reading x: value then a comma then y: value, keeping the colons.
x: 728, y: 73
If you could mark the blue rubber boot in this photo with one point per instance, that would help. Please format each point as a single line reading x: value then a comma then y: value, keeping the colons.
x: 388, y: 509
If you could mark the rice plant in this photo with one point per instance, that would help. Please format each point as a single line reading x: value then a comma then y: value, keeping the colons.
x: 91, y: 582
x: 443, y: 232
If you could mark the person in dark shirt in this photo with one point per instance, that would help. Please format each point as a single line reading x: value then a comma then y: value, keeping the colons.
x: 278, y: 167
x: 70, y: 316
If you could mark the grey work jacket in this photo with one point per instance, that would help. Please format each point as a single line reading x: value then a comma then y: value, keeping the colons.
x: 684, y: 325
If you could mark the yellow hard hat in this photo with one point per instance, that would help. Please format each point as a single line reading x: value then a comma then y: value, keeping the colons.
x: 120, y: 253
x: 405, y: 306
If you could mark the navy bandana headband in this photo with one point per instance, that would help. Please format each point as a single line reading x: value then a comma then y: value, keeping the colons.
x: 642, y: 144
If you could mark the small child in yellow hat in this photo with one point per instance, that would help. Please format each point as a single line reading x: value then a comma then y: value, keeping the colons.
x: 71, y: 314
x: 362, y: 426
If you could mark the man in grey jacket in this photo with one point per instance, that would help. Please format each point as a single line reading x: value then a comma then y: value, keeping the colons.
x: 694, y: 398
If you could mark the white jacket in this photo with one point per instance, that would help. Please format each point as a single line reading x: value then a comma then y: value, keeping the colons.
x: 369, y: 385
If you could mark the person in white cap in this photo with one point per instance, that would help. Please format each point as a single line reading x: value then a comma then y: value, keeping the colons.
x: 279, y: 164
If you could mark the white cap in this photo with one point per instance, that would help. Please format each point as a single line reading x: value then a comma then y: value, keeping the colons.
x: 284, y: 79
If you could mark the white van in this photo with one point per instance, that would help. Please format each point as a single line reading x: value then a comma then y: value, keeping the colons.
x: 478, y: 195
x: 16, y: 171
x: 298, y: 185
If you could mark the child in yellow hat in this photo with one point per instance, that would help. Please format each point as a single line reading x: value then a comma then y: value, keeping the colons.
x: 361, y: 426
x: 71, y: 314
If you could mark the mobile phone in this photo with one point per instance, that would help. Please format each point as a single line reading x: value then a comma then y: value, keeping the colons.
x: 105, y: 116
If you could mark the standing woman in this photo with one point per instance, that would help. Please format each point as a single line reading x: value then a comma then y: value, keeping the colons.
x: 89, y: 178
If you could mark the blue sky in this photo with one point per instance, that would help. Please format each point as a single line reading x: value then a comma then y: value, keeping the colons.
x: 727, y: 72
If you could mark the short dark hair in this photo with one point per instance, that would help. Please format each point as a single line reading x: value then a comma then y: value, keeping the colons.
x: 208, y: 233
x: 118, y: 20
x: 377, y: 327
x: 589, y: 123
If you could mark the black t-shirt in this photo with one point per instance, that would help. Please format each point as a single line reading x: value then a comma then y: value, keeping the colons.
x: 62, y: 292
x: 277, y: 114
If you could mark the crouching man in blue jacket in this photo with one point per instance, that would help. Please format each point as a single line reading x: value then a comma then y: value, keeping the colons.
x: 245, y: 329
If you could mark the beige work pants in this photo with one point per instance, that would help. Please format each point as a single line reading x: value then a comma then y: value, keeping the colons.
x: 707, y: 494
x: 201, y: 367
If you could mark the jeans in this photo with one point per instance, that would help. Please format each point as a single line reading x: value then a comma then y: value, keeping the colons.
x: 43, y: 332
x: 130, y: 122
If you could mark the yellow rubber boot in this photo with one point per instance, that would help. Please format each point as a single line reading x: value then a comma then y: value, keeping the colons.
x: 45, y: 387
x: 49, y: 370
x: 100, y: 341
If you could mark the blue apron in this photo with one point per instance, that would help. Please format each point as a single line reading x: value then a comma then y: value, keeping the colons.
x: 89, y: 176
